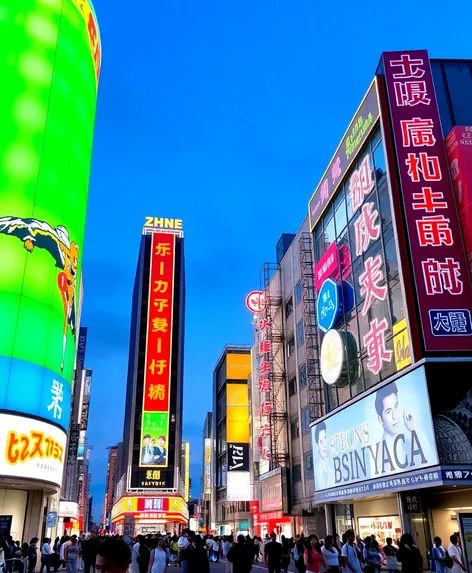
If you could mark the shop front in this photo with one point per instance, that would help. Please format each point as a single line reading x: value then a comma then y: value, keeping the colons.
x: 68, y: 518
x: 142, y: 515
x: 273, y: 522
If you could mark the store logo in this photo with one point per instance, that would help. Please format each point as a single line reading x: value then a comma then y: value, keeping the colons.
x: 22, y: 448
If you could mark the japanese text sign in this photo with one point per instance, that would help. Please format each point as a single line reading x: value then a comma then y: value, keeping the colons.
x: 157, y: 377
x: 437, y: 253
x: 356, y: 135
x: 327, y: 266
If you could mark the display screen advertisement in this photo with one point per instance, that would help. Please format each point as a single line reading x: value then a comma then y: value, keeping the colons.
x: 459, y: 152
x: 238, y: 366
x: 31, y: 449
x: 440, y: 267
x: 238, y: 457
x: 207, y: 477
x: 237, y: 413
x: 356, y: 135
x: 157, y: 377
x: 386, y: 433
x: 46, y: 146
x: 167, y: 506
x: 238, y: 486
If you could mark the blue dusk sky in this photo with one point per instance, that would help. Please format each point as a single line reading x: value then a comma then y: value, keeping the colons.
x: 223, y: 114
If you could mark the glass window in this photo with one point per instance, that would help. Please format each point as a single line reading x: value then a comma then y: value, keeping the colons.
x: 298, y: 293
x: 319, y: 248
x: 384, y: 204
x: 376, y: 138
x: 294, y: 430
x: 302, y: 375
x: 340, y: 216
x: 291, y: 346
x: 305, y: 420
x: 459, y: 83
x: 379, y: 163
x: 300, y: 333
x: 442, y: 97
x: 309, y: 466
x: 391, y: 254
x: 292, y: 386
x: 329, y: 232
x: 297, y: 472
x: 289, y: 307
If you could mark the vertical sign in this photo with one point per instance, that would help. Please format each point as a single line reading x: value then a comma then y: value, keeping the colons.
x: 437, y: 253
x: 187, y: 471
x: 157, y: 377
x: 207, y: 482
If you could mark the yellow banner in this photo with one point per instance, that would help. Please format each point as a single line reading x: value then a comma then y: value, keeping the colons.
x: 401, y: 344
x: 238, y: 366
x: 85, y: 9
x: 237, y: 395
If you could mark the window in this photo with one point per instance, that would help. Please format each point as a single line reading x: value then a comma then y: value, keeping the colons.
x: 305, y: 420
x: 297, y: 472
x: 294, y: 430
x: 309, y: 466
x: 289, y: 307
x: 291, y: 346
x: 300, y: 333
x: 292, y: 387
x: 302, y: 375
x: 298, y: 293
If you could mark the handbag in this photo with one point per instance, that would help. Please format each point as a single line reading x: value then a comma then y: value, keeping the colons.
x: 449, y: 563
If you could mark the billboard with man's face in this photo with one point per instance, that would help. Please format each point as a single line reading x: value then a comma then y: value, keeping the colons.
x: 50, y: 65
x: 386, y: 433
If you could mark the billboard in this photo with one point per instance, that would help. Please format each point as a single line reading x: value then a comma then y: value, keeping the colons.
x: 147, y: 507
x: 437, y: 254
x: 207, y: 476
x: 31, y: 449
x: 238, y: 366
x: 50, y: 64
x: 187, y: 472
x: 388, y: 432
x: 238, y: 486
x: 238, y: 433
x: 85, y: 405
x: 157, y: 377
x: 237, y: 413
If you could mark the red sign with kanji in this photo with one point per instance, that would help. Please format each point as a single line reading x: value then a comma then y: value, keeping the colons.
x: 436, y: 248
x: 159, y: 325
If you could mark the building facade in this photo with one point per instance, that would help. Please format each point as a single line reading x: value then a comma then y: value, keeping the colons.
x: 150, y: 492
x: 392, y: 442
x: 231, y: 491
x: 42, y: 223
x: 110, y: 485
x: 206, y: 523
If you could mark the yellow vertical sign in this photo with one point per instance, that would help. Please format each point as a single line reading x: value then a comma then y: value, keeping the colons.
x: 401, y: 344
x: 237, y: 413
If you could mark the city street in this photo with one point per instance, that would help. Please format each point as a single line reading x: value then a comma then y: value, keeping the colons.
x: 220, y: 567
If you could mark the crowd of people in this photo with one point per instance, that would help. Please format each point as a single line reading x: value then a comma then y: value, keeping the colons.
x: 193, y: 554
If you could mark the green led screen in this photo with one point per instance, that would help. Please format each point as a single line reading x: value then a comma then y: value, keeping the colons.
x: 49, y: 64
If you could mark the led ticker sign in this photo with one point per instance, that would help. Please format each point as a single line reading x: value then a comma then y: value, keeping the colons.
x: 157, y: 377
x: 436, y: 248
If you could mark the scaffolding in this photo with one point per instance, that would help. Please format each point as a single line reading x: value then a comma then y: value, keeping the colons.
x: 278, y: 417
x: 313, y: 372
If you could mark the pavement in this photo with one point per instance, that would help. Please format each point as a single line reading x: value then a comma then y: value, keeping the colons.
x: 256, y: 568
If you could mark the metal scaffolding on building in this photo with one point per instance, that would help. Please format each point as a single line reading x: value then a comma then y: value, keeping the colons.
x: 313, y: 371
x: 278, y: 417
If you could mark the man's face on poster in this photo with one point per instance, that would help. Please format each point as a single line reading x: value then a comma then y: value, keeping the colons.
x: 322, y: 443
x: 391, y: 415
x: 147, y: 441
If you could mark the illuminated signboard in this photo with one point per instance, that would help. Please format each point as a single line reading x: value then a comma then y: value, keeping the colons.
x: 238, y: 366
x: 157, y: 377
x: 163, y: 223
x: 207, y: 477
x: 31, y: 449
x: 50, y: 64
x: 168, y: 507
x: 187, y: 471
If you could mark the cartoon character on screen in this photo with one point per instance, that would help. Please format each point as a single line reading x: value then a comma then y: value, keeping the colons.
x: 40, y: 235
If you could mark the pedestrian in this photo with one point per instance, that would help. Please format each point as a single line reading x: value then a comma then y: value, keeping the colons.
x: 372, y: 558
x: 330, y: 554
x: 273, y: 554
x: 350, y: 554
x: 89, y: 553
x: 4, y: 552
x: 409, y: 555
x: 32, y: 554
x: 199, y: 557
x: 46, y: 555
x: 226, y: 547
x: 455, y: 554
x: 55, y: 560
x: 285, y: 561
x: 439, y: 557
x: 174, y: 549
x: 183, y: 544
x: 375, y: 543
x: 216, y: 549
x: 313, y: 557
x: 186, y: 554
x: 159, y: 558
x: 144, y: 555
x: 257, y: 549
x: 298, y: 554
x: 390, y: 552
x: 64, y: 543
x: 71, y: 554
x: 113, y: 556
x: 241, y: 556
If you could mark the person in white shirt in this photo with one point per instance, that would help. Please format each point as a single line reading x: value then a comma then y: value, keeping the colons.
x: 456, y: 555
x: 134, y: 567
x: 63, y: 548
x: 350, y: 554
x: 330, y: 554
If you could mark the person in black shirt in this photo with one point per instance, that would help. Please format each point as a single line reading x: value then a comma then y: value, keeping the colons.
x: 273, y: 554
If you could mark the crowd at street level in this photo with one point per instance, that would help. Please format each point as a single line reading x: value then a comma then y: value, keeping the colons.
x: 193, y: 553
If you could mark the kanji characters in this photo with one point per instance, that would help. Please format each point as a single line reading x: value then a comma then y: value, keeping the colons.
x: 264, y: 368
x: 374, y: 341
x: 163, y: 249
x: 426, y: 165
x: 411, y: 93
x: 265, y: 431
x: 366, y: 229
x: 264, y: 324
x: 157, y: 366
x: 264, y: 347
x: 157, y: 392
x: 265, y: 408
x: 369, y: 281
x: 409, y: 67
x: 429, y: 200
x: 159, y: 324
x: 361, y: 183
x: 264, y: 384
x: 57, y: 396
x: 417, y: 132
x: 324, y: 191
x: 442, y: 276
x: 434, y: 230
x: 265, y: 455
x: 161, y: 286
x: 336, y: 170
x: 161, y: 304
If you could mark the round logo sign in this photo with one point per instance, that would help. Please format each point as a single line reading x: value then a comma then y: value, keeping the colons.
x: 328, y: 307
x: 332, y: 357
x: 255, y: 301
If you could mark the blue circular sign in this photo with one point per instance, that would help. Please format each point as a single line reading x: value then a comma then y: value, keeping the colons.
x: 328, y: 306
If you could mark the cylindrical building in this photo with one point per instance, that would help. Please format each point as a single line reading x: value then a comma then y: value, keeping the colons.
x: 50, y: 67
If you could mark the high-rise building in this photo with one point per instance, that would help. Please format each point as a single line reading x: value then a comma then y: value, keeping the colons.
x: 110, y: 484
x: 231, y: 430
x: 206, y: 522
x: 47, y: 126
x: 150, y: 492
